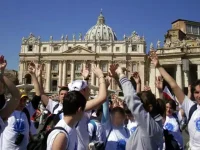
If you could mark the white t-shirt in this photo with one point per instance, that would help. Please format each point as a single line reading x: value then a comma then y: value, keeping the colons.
x: 2, y: 127
x: 173, y: 128
x: 82, y: 132
x: 72, y: 138
x: 99, y: 130
x: 117, y: 138
x: 51, y: 105
x: 132, y: 126
x: 194, y: 123
x: 17, y: 122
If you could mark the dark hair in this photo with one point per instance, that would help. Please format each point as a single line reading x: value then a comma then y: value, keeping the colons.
x: 72, y: 102
x: 63, y: 89
x: 119, y: 110
x: 99, y: 111
x: 196, y: 83
x: 127, y: 111
x: 161, y: 106
x: 148, y: 98
x: 172, y: 104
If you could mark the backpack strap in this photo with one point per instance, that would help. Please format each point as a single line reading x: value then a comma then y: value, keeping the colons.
x: 192, y: 110
x: 127, y: 131
x: 77, y: 124
x: 62, y: 129
x: 95, y: 129
x: 55, y: 107
x: 108, y: 137
x: 25, y: 110
x: 176, y: 117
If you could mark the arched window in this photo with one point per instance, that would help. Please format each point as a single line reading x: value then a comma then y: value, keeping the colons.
x: 28, y: 79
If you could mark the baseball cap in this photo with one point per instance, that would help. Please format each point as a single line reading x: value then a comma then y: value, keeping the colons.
x: 77, y: 85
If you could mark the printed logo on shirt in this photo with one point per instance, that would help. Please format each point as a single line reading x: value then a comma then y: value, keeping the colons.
x: 169, y: 126
x: 121, y: 145
x: 133, y: 129
x: 197, y: 123
x: 19, y: 125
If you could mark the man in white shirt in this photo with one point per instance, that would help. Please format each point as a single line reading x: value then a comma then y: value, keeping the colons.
x: 73, y: 108
x: 6, y: 107
x: 82, y: 87
x: 187, y: 104
x: 16, y: 133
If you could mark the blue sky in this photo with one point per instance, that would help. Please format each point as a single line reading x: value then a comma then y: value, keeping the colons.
x: 151, y: 18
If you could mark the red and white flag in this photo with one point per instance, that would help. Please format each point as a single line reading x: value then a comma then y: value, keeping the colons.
x: 167, y: 94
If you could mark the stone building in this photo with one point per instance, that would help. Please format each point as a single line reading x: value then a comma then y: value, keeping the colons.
x: 65, y: 58
x: 180, y: 54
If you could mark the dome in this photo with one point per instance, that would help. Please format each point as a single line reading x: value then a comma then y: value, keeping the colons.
x: 100, y: 31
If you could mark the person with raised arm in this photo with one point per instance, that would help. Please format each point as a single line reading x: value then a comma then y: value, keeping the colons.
x: 191, y: 108
x: 6, y: 107
x: 17, y: 132
x: 147, y: 112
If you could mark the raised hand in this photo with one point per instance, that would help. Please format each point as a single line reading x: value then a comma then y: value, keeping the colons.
x: 154, y: 58
x: 98, y: 72
x: 3, y: 64
x: 32, y: 68
x: 39, y: 70
x: 159, y: 83
x: 108, y: 81
x: 147, y: 88
x: 85, y: 73
x: 136, y: 77
x: 112, y: 70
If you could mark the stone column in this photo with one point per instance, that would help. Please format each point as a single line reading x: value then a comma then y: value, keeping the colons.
x: 142, y: 73
x: 97, y: 80
x: 84, y: 64
x: 21, y: 70
x: 60, y: 74
x: 198, y: 71
x: 93, y: 75
x: 48, y: 76
x: 152, y: 78
x: 109, y: 63
x: 72, y: 70
x: 64, y: 73
x: 186, y: 79
x: 156, y: 90
x: 179, y: 76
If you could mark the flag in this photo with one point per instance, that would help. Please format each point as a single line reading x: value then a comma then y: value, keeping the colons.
x: 167, y: 94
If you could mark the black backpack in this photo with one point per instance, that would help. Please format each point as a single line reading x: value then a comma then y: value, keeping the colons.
x: 50, y: 123
x: 40, y: 141
x: 191, y: 111
x: 170, y: 142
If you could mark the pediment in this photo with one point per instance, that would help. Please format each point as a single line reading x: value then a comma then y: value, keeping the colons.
x: 79, y: 50
x: 31, y: 40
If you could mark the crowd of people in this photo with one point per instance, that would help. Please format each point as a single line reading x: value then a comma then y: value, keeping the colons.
x: 73, y: 120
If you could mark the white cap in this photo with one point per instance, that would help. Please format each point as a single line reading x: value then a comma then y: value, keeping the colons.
x: 77, y: 85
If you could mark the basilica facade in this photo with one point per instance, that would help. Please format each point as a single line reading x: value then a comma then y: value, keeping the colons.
x: 64, y: 59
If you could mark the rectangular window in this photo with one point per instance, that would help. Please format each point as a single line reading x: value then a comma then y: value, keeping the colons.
x: 69, y: 48
x: 78, y: 67
x: 54, y: 66
x: 134, y: 48
x: 104, y: 48
x: 68, y: 66
x: 188, y: 28
x: 54, y: 85
x: 117, y: 49
x: 195, y: 30
x: 134, y: 68
x: 90, y: 48
x: 30, y: 48
x: 44, y: 49
x: 104, y: 67
x: 55, y: 48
